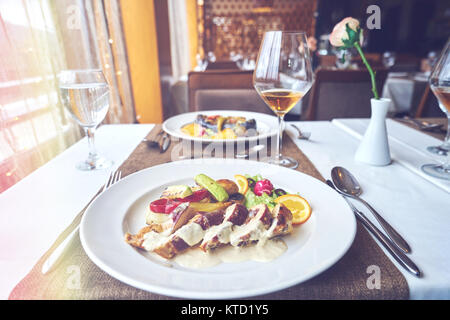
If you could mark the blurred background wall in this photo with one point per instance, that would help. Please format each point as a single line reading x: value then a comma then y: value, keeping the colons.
x: 412, y: 26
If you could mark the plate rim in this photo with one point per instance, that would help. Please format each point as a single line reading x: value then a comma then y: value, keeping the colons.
x: 271, y: 133
x: 182, y: 293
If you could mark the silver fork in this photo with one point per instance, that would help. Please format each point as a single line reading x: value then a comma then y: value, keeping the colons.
x: 161, y: 141
x: 55, y: 257
x: 155, y: 142
x: 301, y: 134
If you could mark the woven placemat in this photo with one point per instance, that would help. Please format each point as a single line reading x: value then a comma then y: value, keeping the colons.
x: 352, y: 277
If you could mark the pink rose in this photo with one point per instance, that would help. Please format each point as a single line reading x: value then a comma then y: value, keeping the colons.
x: 340, y: 32
x: 312, y: 44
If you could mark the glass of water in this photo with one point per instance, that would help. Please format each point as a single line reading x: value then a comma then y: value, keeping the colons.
x: 343, y: 59
x: 389, y: 59
x: 85, y: 94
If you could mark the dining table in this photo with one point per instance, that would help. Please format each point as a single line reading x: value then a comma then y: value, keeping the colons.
x: 405, y: 89
x: 40, y: 207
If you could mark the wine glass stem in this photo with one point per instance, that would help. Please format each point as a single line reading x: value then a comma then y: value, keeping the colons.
x: 447, y: 137
x: 90, y: 134
x: 446, y: 164
x: 280, y: 136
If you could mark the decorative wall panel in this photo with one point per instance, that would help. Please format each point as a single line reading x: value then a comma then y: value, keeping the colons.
x: 237, y: 26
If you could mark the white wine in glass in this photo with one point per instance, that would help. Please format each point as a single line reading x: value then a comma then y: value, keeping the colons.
x: 281, y: 101
x: 440, y: 85
x: 282, y: 76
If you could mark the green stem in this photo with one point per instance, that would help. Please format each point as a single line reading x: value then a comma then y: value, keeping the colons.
x: 372, y: 74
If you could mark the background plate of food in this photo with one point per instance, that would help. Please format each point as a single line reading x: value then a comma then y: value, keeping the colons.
x: 217, y: 229
x: 221, y: 126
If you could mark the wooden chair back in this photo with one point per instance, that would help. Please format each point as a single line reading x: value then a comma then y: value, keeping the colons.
x: 222, y: 65
x: 374, y: 59
x: 428, y: 106
x: 327, y: 61
x: 224, y: 89
x: 342, y: 94
x: 406, y: 63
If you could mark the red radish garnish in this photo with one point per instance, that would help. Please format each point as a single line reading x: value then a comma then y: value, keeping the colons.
x: 263, y: 186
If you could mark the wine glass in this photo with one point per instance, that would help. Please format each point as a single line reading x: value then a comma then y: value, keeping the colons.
x: 388, y: 59
x: 85, y: 94
x: 432, y: 58
x: 343, y: 59
x: 444, y: 148
x: 440, y: 85
x: 282, y: 76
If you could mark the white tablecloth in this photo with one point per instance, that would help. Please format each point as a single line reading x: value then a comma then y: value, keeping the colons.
x: 39, y: 207
x: 419, y: 210
x: 405, y: 90
x: 408, y: 146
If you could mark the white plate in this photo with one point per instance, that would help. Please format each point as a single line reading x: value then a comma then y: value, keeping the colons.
x: 312, y: 248
x: 266, y: 125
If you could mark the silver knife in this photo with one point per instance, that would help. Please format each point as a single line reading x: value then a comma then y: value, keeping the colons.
x: 165, y: 143
x: 397, y: 254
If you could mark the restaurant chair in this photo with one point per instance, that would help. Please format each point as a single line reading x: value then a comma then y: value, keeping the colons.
x: 226, y: 90
x: 327, y: 61
x: 222, y: 65
x: 342, y: 94
x: 374, y: 59
x: 428, y: 106
x: 406, y: 63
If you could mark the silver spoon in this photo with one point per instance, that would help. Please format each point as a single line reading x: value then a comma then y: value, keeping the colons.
x: 252, y: 150
x: 154, y: 143
x: 398, y: 255
x: 437, y: 150
x: 348, y: 185
x: 423, y: 125
x: 301, y: 134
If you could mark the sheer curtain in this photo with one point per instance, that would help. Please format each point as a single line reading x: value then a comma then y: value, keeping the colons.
x: 39, y: 38
x: 179, y: 38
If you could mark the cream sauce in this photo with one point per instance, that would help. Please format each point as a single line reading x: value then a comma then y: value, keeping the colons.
x: 197, y: 259
x: 222, y: 231
x: 153, y: 240
x: 191, y: 233
x: 254, y: 229
x: 264, y: 250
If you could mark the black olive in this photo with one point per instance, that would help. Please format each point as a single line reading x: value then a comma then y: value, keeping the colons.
x: 206, y: 123
x: 251, y: 183
x: 250, y: 124
x: 237, y: 197
x: 279, y: 192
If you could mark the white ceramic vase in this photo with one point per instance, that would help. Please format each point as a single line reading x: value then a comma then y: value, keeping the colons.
x: 374, y: 147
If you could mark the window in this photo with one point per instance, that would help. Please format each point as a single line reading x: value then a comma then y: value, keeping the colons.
x: 33, y: 125
x: 37, y: 43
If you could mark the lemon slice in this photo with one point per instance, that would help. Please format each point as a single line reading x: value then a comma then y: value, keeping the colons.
x: 299, y: 207
x: 242, y: 183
